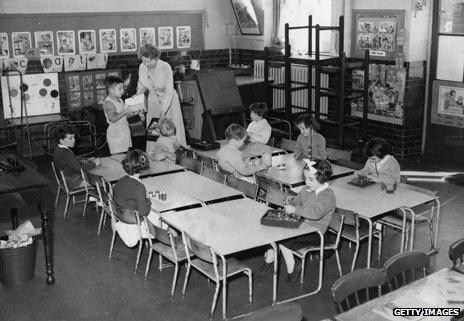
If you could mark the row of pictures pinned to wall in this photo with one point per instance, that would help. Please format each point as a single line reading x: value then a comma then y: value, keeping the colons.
x: 87, y: 89
x: 87, y: 41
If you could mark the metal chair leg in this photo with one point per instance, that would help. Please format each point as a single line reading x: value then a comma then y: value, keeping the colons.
x: 100, y: 223
x: 160, y: 262
x: 66, y: 207
x: 138, y: 255
x: 250, y: 286
x: 355, y: 256
x: 112, y: 243
x: 337, y: 256
x: 85, y: 205
x: 147, y: 269
x: 216, y: 293
x: 57, y: 196
x: 187, y: 273
x: 303, y: 263
x: 174, y: 279
x: 379, y: 254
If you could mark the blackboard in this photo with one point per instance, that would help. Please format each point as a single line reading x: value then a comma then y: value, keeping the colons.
x: 106, y: 20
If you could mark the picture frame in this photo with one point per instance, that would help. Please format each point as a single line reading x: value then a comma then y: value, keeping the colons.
x: 448, y: 103
x: 246, y: 17
x: 65, y: 42
x: 147, y: 35
x: 21, y: 43
x: 183, y: 37
x: 379, y: 31
x: 44, y: 42
x: 108, y: 40
x: 87, y: 42
x: 128, y: 38
x: 165, y: 38
x: 4, y: 45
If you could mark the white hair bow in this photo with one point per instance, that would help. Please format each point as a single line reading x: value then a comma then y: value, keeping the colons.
x: 310, y: 164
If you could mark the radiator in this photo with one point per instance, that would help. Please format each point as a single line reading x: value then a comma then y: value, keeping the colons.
x: 299, y: 98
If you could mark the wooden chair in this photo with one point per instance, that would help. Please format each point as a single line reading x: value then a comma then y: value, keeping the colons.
x: 356, y: 231
x: 247, y: 188
x: 128, y: 218
x: 353, y: 289
x: 264, y: 184
x: 288, y: 145
x: 63, y: 186
x: 290, y: 311
x: 401, y: 268
x: 207, y: 162
x: 167, y: 246
x: 456, y: 252
x: 213, y: 175
x: 204, y: 259
x: 191, y: 164
x: 336, y: 225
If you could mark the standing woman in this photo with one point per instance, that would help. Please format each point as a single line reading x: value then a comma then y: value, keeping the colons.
x: 155, y: 77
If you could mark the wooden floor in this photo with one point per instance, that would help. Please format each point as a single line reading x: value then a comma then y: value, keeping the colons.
x: 89, y: 286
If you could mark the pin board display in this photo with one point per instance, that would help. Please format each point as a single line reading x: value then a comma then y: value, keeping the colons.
x: 98, y: 23
x: 41, y: 94
x: 86, y: 89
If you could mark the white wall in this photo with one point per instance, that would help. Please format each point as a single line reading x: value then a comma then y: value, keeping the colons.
x: 416, y: 28
x: 218, y: 12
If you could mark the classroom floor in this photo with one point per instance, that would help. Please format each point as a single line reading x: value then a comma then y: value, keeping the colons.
x: 89, y: 286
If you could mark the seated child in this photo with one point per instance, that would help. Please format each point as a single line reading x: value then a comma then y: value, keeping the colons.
x: 65, y: 160
x: 259, y: 130
x: 309, y: 143
x: 118, y: 133
x: 380, y: 165
x: 165, y: 147
x: 316, y: 203
x: 230, y: 158
x: 130, y: 194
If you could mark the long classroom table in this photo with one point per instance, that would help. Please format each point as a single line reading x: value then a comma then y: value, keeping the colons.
x: 444, y: 288
x: 235, y: 226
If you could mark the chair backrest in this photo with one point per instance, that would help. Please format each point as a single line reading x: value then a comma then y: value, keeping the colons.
x: 271, y: 141
x: 63, y: 181
x: 265, y: 183
x: 354, y: 288
x: 247, y: 188
x: 207, y: 162
x: 57, y: 178
x: 213, y: 175
x: 277, y: 197
x: 163, y: 236
x: 336, y: 225
x: 456, y: 252
x: 406, y: 267
x: 103, y: 195
x: 287, y: 144
x: 200, y: 250
x: 190, y: 164
x: 223, y: 171
x: 124, y: 215
x: 107, y: 186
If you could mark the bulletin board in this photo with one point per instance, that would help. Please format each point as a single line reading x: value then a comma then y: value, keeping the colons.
x: 10, y: 23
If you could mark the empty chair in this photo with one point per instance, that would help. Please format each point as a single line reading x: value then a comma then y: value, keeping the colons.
x: 264, y: 184
x: 213, y: 175
x: 205, y: 260
x: 336, y: 225
x: 247, y: 188
x: 290, y: 311
x: 167, y: 246
x: 456, y: 252
x: 288, y: 145
x: 356, y: 231
x: 190, y: 163
x: 404, y: 268
x: 355, y: 288
x: 128, y: 217
x: 207, y: 162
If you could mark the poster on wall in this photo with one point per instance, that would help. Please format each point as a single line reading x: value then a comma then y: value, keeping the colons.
x: 147, y: 35
x: 4, y: 45
x: 65, y: 42
x: 108, y: 40
x: 128, y: 39
x: 52, y: 63
x: 44, y: 42
x: 448, y: 103
x: 386, y: 93
x: 21, y: 43
x: 87, y: 42
x: 165, y: 38
x: 246, y: 17
x: 379, y: 31
x: 184, y: 37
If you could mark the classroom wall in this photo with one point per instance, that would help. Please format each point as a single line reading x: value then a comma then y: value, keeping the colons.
x: 218, y: 12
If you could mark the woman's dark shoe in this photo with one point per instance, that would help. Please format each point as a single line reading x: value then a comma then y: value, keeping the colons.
x: 266, y: 267
x: 293, y: 277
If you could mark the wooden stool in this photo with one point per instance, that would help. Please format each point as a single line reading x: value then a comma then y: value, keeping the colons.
x: 12, y: 202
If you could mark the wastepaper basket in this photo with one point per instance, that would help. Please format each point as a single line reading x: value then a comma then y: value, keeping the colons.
x: 17, y: 265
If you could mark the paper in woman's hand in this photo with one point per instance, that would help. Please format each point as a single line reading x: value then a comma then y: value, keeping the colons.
x: 136, y: 103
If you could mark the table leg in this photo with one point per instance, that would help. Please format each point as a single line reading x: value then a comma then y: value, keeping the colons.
x: 46, y: 234
x: 434, y: 248
x: 224, y: 287
x: 275, y: 273
x: 14, y: 218
x: 369, y: 243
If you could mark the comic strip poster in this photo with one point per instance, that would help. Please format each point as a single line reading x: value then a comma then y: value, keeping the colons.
x: 108, y: 41
x: 448, y: 103
x: 128, y: 39
x: 44, y: 42
x: 4, y: 45
x: 65, y: 42
x: 165, y: 38
x: 147, y: 35
x: 21, y: 43
x: 184, y: 36
x: 87, y: 42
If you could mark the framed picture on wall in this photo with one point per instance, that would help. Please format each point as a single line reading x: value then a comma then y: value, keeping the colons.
x: 379, y: 31
x: 44, y: 42
x: 65, y: 42
x: 128, y: 39
x: 165, y: 38
x: 147, y: 35
x: 87, y: 42
x: 448, y: 103
x: 4, y: 45
x: 184, y: 37
x: 246, y: 17
x: 108, y: 41
x: 21, y: 43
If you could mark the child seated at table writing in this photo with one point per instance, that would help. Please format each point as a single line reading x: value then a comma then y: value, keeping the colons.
x: 230, y: 158
x: 259, y: 130
x: 130, y: 194
x: 65, y: 160
x: 316, y: 203
x: 164, y: 149
x: 380, y: 165
x: 309, y: 143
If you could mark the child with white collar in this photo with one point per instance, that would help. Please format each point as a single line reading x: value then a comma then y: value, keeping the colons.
x: 315, y: 203
x: 380, y: 165
x: 259, y: 130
